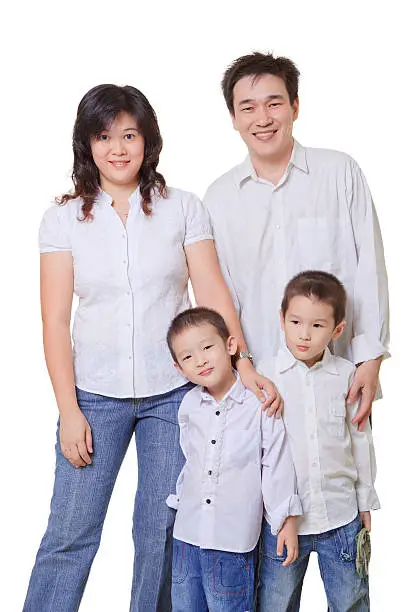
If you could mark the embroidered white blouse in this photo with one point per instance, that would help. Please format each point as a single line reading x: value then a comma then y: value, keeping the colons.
x: 131, y: 281
x: 237, y: 459
x: 334, y: 462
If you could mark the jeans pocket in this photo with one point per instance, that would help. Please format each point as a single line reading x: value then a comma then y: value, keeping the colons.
x: 345, y: 540
x: 231, y: 573
x: 181, y: 560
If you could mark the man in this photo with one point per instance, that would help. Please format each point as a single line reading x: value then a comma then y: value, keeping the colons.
x: 288, y: 208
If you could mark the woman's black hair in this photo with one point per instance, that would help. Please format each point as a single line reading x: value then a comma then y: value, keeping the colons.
x: 96, y: 112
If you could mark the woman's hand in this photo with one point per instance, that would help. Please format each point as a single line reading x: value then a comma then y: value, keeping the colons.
x: 287, y: 536
x: 76, y: 439
x: 263, y: 388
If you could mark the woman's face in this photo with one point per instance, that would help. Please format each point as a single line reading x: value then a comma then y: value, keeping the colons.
x: 118, y: 153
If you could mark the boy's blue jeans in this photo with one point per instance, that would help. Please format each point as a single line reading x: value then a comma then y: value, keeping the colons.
x: 280, y: 587
x: 211, y: 580
x: 81, y: 497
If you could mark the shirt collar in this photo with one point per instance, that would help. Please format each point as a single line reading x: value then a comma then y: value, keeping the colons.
x: 246, y: 171
x: 286, y: 361
x: 236, y: 392
x: 104, y: 198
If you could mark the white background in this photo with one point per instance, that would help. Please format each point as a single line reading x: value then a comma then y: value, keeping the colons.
x: 352, y: 56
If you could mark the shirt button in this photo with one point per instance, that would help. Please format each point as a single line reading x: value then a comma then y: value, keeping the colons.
x: 277, y: 226
x: 209, y: 472
x: 124, y: 261
x: 213, y: 441
x: 208, y: 501
x: 130, y: 357
x: 218, y: 413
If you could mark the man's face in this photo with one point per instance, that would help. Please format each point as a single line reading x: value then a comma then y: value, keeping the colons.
x: 309, y: 327
x: 264, y: 116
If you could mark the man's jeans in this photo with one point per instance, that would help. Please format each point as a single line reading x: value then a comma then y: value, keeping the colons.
x: 280, y: 587
x: 211, y: 580
x: 81, y: 497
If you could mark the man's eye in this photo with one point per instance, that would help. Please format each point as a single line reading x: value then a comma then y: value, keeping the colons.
x: 272, y: 104
x: 247, y: 109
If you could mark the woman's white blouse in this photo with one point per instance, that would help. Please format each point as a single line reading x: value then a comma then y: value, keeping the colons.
x: 131, y: 281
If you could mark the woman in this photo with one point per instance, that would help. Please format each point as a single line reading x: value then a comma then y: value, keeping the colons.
x: 126, y: 245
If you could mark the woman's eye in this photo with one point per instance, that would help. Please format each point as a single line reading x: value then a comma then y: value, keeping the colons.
x: 317, y: 325
x: 103, y: 137
x: 129, y: 136
x: 295, y: 322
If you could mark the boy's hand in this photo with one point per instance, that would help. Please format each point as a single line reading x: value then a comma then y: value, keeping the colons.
x: 288, y: 536
x: 263, y: 388
x: 366, y: 519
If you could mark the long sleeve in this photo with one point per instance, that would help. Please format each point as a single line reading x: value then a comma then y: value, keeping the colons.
x: 370, y: 296
x: 362, y: 449
x: 279, y: 488
x: 174, y: 498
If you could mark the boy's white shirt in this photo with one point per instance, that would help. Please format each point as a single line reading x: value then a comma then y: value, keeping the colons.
x: 237, y: 458
x: 334, y: 462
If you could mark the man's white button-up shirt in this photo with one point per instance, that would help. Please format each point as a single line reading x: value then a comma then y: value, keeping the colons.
x: 237, y: 459
x: 131, y: 281
x: 320, y: 216
x: 334, y: 462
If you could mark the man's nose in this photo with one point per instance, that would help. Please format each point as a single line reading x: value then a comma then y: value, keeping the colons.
x: 263, y: 117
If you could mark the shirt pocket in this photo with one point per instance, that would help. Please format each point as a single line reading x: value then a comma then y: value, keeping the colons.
x: 241, y: 448
x: 314, y: 243
x: 337, y: 423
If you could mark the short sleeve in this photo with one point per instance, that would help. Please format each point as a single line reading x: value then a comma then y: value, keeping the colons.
x: 54, y: 233
x: 197, y: 220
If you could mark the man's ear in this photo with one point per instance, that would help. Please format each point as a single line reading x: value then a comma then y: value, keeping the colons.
x: 234, y: 121
x: 338, y: 330
x: 232, y: 345
x: 282, y: 320
x: 295, y: 107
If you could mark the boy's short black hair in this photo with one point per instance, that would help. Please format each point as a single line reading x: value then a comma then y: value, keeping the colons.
x: 321, y: 285
x: 193, y: 317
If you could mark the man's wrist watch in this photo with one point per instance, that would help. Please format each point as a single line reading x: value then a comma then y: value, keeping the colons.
x: 244, y: 355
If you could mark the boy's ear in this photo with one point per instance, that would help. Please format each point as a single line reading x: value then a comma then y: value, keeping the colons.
x: 232, y: 345
x: 282, y: 319
x: 178, y: 368
x: 338, y: 330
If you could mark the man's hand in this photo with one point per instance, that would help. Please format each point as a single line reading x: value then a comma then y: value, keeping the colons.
x: 288, y: 536
x: 263, y: 388
x: 366, y: 519
x: 76, y: 439
x: 364, y: 385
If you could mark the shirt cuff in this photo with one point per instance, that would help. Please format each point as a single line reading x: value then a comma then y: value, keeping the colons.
x: 367, y: 499
x: 290, y: 507
x: 173, y: 501
x: 364, y: 349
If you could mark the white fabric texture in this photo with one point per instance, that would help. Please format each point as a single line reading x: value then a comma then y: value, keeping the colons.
x: 334, y: 462
x: 236, y: 459
x: 320, y: 216
x: 131, y: 281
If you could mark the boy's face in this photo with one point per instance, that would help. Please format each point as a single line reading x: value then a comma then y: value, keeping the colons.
x: 204, y: 357
x: 309, y: 327
x: 264, y: 116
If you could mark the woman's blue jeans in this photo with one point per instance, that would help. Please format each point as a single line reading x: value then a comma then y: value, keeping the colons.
x: 81, y: 497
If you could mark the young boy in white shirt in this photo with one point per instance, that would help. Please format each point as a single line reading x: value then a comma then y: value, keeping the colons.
x: 334, y: 462
x: 237, y: 459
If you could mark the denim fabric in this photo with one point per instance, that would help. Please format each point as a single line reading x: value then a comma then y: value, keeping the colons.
x: 211, y: 580
x: 280, y: 587
x: 81, y: 497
